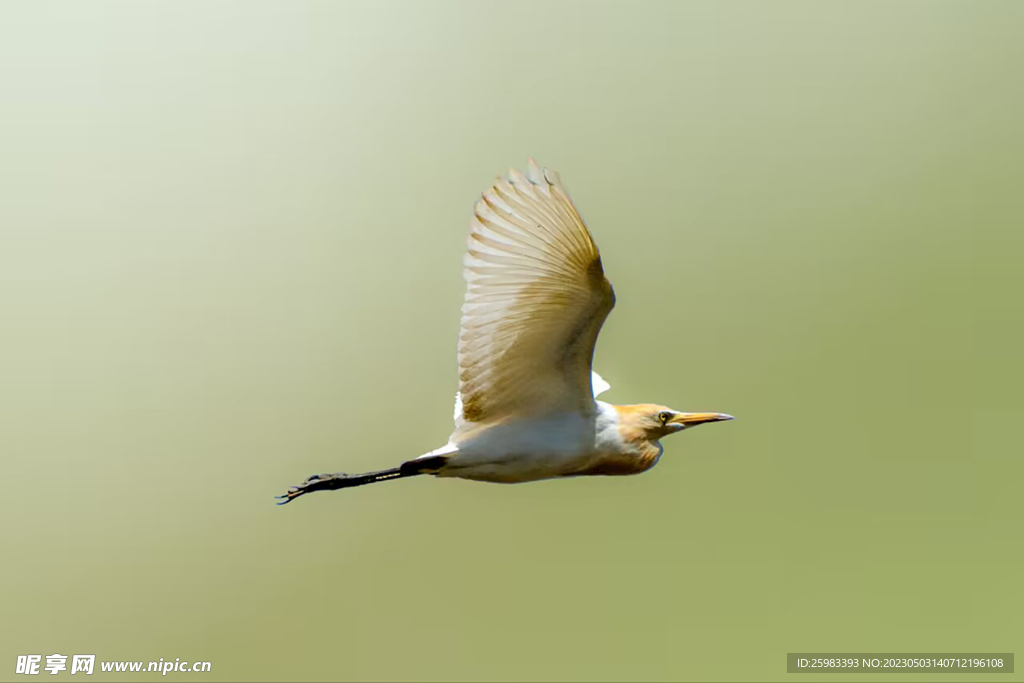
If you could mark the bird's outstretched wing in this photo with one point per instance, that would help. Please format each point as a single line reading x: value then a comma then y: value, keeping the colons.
x: 535, y: 301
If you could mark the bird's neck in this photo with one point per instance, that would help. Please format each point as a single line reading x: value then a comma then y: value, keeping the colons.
x: 628, y: 422
x: 623, y: 448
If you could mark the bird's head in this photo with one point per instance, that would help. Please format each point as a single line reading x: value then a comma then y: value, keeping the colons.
x: 651, y: 422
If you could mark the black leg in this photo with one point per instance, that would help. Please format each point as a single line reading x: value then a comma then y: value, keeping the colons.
x: 338, y: 480
x: 341, y: 480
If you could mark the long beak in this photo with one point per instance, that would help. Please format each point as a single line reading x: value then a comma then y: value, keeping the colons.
x: 694, y: 419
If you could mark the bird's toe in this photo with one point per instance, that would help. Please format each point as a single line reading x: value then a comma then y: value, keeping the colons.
x: 291, y: 494
x: 317, y: 482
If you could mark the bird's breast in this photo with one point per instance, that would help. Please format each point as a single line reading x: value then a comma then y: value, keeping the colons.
x: 623, y: 461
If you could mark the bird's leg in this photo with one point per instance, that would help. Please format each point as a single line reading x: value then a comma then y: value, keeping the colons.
x: 337, y: 480
x: 342, y: 480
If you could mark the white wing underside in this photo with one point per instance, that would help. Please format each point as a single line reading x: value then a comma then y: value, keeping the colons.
x: 536, y: 298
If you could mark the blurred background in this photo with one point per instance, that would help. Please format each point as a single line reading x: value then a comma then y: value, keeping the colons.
x: 230, y: 248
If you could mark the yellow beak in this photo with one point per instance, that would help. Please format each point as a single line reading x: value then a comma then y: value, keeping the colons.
x: 693, y: 419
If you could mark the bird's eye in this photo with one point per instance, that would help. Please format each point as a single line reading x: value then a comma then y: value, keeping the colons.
x: 664, y: 417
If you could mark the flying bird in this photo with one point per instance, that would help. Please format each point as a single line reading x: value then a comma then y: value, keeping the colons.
x: 527, y: 408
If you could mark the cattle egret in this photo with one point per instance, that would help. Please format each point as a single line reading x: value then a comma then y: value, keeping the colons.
x: 526, y: 409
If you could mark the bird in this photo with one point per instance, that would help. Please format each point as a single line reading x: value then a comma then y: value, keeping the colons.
x: 527, y: 407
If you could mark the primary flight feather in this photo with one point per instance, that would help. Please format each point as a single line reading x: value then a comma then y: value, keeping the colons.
x: 536, y: 298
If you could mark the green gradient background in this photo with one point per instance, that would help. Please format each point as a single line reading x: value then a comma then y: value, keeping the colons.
x: 230, y: 243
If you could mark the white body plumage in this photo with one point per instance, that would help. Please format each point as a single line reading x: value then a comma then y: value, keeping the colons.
x: 533, y: 448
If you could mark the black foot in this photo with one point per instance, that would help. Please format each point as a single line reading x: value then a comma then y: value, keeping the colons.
x: 318, y: 482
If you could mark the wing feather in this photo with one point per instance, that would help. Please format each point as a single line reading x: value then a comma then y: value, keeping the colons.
x: 536, y: 298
